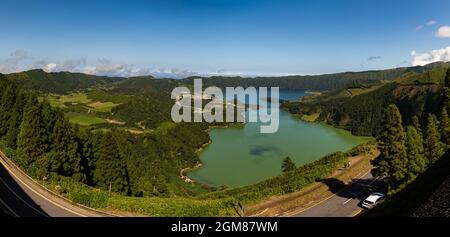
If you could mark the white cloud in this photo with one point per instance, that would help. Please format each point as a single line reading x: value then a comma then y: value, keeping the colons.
x: 104, y: 61
x: 21, y: 54
x: 51, y: 67
x: 443, y: 32
x: 373, y: 58
x: 428, y: 23
x: 431, y: 57
x: 14, y: 61
x: 72, y: 64
x: 21, y: 60
x: 106, y: 68
x: 7, y: 68
x: 432, y: 22
x: 41, y: 63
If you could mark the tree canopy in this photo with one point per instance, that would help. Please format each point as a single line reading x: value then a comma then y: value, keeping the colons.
x: 288, y: 165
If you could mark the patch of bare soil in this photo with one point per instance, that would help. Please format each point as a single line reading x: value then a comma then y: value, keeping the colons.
x: 411, y: 91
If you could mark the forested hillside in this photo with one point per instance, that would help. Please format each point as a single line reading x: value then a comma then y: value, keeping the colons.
x: 65, y: 82
x: 362, y: 112
x: 320, y: 82
x: 413, y: 156
x: 59, y: 82
x: 116, y: 134
x: 47, y: 145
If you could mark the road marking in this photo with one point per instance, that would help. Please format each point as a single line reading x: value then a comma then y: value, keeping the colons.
x: 9, y: 208
x: 357, y: 194
x: 21, y: 199
x: 42, y: 196
x: 326, y: 199
x: 347, y: 201
x: 357, y: 212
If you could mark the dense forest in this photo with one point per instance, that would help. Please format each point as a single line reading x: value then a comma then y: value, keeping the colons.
x: 47, y: 145
x: 59, y: 82
x: 409, y: 149
x: 409, y: 117
x: 325, y: 82
x: 139, y: 152
x: 64, y: 82
x: 363, y: 113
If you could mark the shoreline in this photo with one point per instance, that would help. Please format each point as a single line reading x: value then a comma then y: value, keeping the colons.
x: 185, y: 171
x: 313, y: 92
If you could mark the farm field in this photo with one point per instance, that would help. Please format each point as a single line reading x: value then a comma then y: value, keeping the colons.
x: 91, y: 101
x: 84, y: 119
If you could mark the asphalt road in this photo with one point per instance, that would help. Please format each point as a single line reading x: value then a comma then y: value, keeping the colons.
x: 19, y: 200
x: 346, y: 202
x: 21, y: 197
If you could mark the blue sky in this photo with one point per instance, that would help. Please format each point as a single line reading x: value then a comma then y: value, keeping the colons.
x: 258, y: 37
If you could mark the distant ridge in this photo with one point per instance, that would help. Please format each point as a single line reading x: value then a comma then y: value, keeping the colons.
x: 59, y: 82
x: 321, y: 82
x: 64, y: 82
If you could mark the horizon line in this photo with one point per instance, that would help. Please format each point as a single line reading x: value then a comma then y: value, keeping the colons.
x: 216, y: 74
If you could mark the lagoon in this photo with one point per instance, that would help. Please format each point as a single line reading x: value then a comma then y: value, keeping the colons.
x: 240, y: 156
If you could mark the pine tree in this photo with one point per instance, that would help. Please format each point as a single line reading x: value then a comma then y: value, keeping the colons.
x: 158, y: 181
x: 6, y: 106
x: 444, y: 126
x: 64, y: 158
x: 392, y: 161
x: 434, y: 148
x: 31, y: 146
x: 446, y: 93
x: 417, y: 126
x: 417, y: 162
x: 49, y: 116
x: 446, y: 109
x: 110, y: 169
x: 4, y: 82
x: 288, y: 165
x: 447, y: 79
x: 16, y: 119
x: 89, y: 151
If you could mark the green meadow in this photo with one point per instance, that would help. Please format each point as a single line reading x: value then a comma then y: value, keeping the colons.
x: 84, y: 119
x: 91, y: 101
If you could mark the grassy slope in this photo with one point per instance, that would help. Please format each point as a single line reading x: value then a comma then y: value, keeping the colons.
x: 84, y: 119
x: 220, y: 203
x: 360, y: 110
x: 412, y: 78
x: 318, y: 191
x: 80, y: 107
x: 211, y: 204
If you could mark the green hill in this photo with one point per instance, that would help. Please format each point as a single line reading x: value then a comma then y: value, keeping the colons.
x: 362, y: 112
x: 320, y: 82
x: 117, y: 133
x: 60, y: 82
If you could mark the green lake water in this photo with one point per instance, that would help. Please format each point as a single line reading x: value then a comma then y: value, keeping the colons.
x: 241, y: 156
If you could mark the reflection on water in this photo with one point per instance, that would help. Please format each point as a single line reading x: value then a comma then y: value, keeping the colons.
x: 266, y: 151
x: 242, y: 156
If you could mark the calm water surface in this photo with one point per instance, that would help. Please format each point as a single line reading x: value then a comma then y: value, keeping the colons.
x: 243, y: 156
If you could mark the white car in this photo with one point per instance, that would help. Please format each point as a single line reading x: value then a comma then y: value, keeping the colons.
x: 372, y: 200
